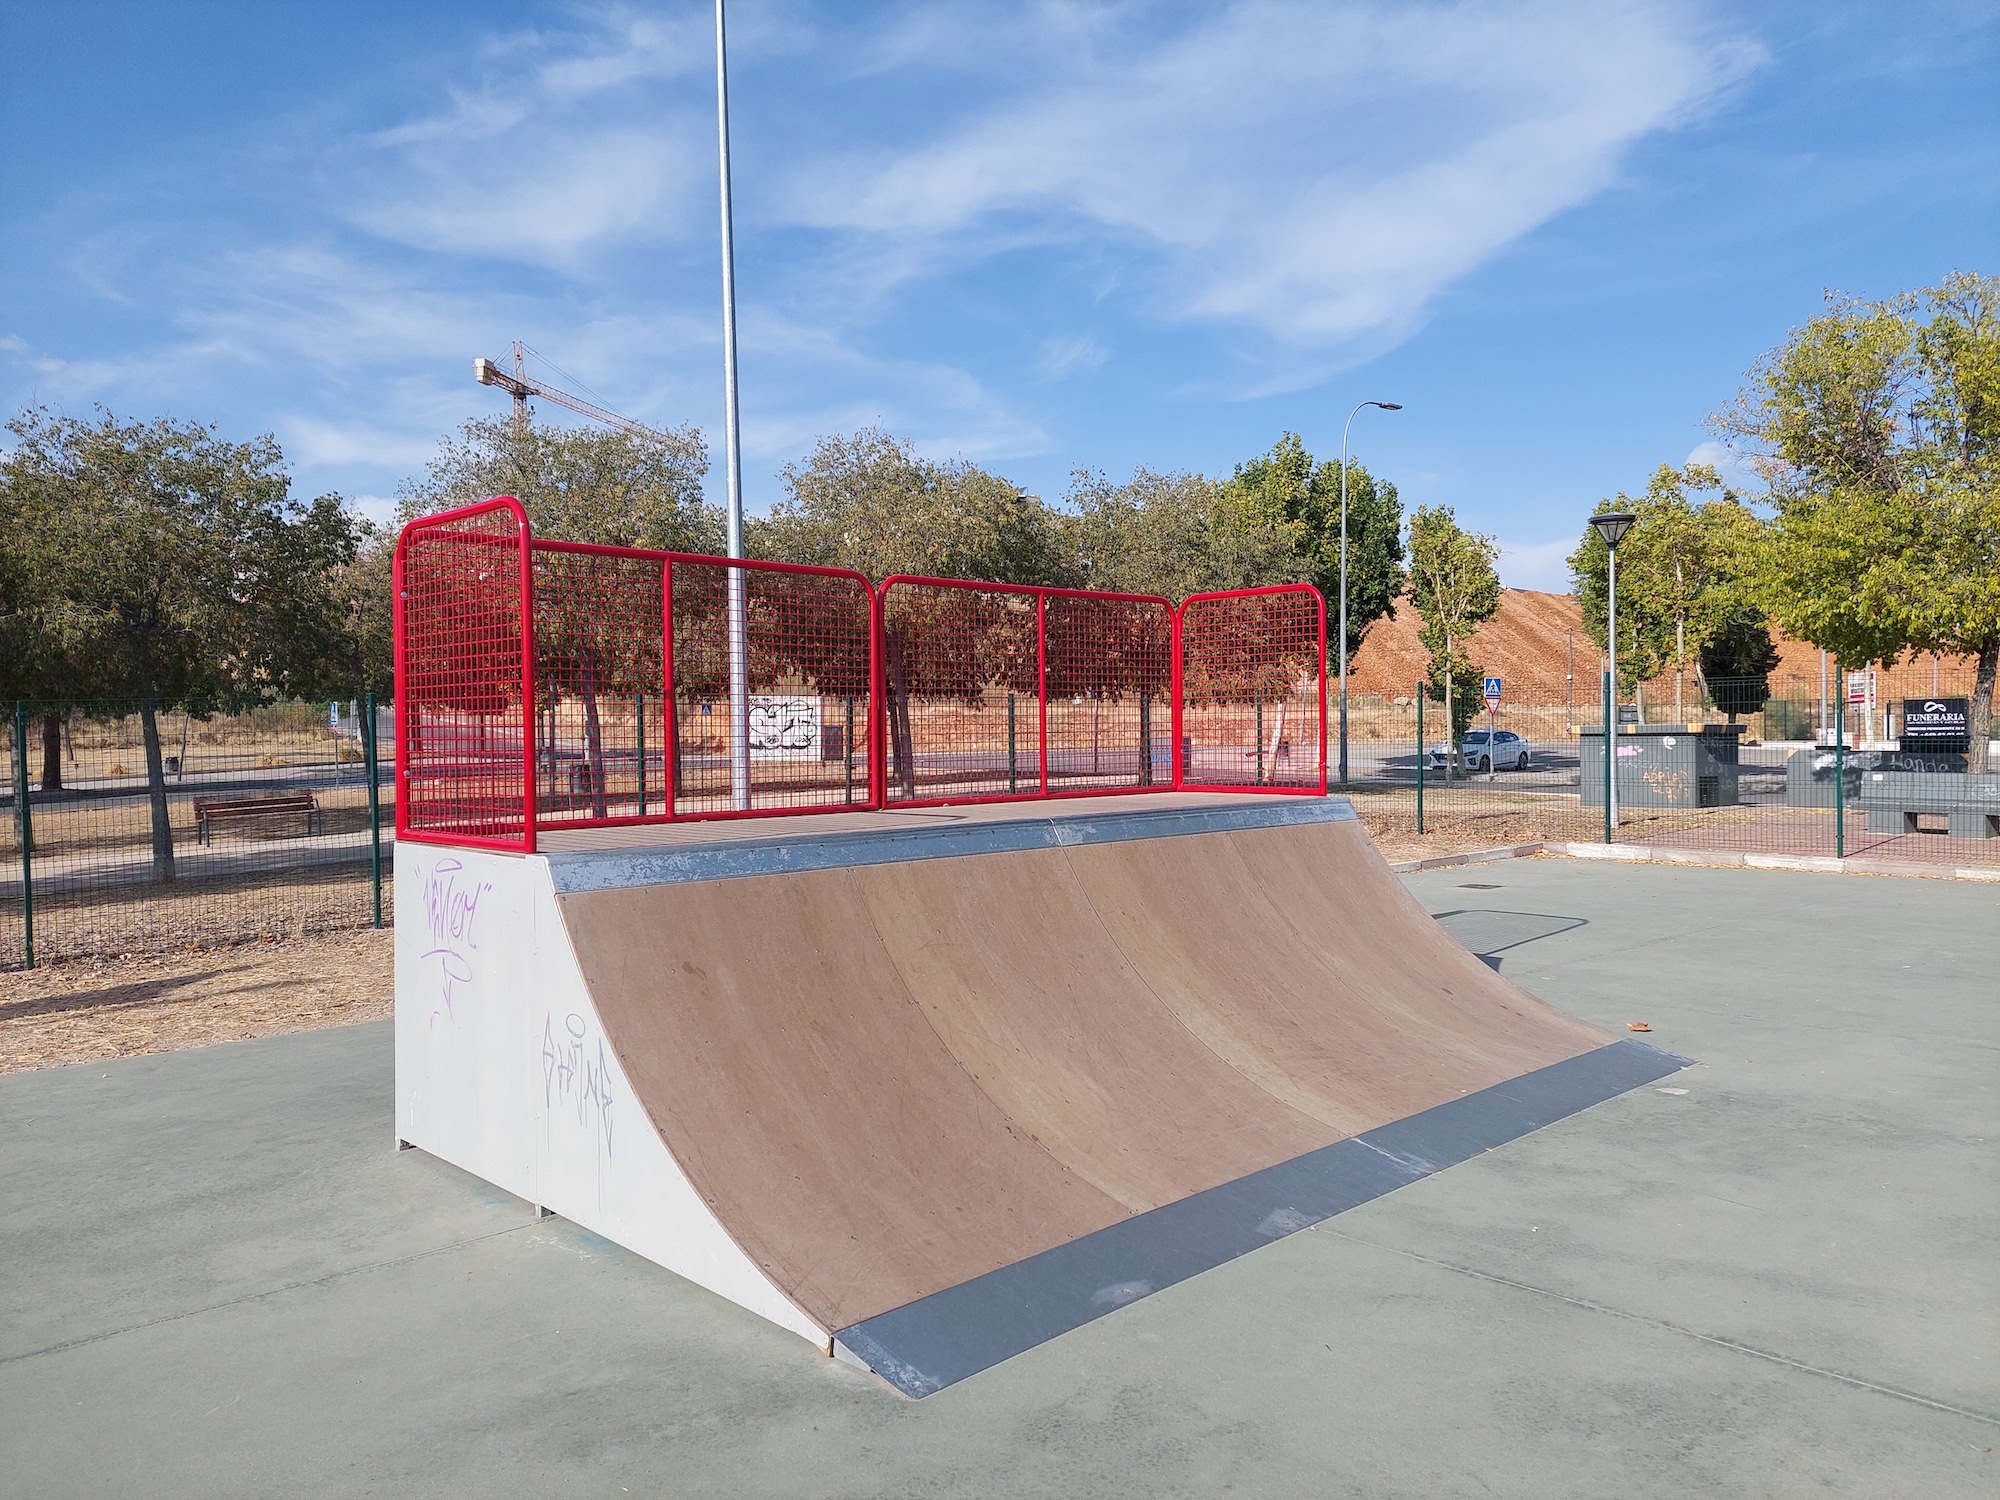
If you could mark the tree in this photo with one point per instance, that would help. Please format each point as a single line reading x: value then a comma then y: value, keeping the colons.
x: 1736, y: 662
x: 169, y: 568
x: 611, y: 488
x: 870, y: 503
x: 1876, y: 428
x: 1284, y: 487
x: 1172, y: 535
x: 363, y: 589
x: 1456, y: 589
x: 1680, y: 573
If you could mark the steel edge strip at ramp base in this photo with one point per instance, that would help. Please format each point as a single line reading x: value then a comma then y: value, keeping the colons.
x: 926, y: 1345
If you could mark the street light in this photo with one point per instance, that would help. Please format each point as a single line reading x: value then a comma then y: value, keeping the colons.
x: 1612, y: 526
x: 1385, y: 406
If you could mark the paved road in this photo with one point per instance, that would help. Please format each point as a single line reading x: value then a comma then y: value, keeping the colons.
x: 220, y: 1281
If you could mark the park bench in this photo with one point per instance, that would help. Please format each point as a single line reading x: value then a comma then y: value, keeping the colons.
x: 1894, y: 800
x: 209, y: 811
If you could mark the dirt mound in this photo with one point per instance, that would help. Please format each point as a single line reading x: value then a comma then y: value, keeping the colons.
x: 1528, y: 641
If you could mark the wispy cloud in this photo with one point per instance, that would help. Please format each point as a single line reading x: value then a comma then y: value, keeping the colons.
x: 935, y: 203
x: 1315, y: 172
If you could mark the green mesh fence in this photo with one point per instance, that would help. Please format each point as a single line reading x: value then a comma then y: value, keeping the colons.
x: 257, y: 825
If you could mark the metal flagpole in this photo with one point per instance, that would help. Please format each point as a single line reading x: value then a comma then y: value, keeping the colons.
x: 739, y: 652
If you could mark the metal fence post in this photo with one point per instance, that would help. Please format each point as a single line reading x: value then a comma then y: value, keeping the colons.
x: 1012, y: 764
x: 368, y: 753
x: 27, y: 827
x: 1257, y: 692
x: 1840, y: 773
x: 1420, y: 758
x: 639, y: 707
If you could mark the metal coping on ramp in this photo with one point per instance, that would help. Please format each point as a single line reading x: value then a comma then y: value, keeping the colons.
x: 598, y: 870
x: 931, y: 1343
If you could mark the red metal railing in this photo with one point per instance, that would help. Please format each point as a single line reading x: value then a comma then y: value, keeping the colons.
x: 996, y: 692
x: 611, y: 706
x: 465, y: 673
x: 550, y: 684
x: 1250, y: 691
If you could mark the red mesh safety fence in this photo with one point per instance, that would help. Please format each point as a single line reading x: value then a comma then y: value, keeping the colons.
x: 465, y: 672
x: 1110, y: 692
x: 599, y: 668
x: 552, y: 684
x: 962, y: 696
x: 807, y: 745
x: 1252, y: 690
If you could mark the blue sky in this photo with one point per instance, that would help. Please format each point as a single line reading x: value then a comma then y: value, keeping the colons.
x: 1043, y: 237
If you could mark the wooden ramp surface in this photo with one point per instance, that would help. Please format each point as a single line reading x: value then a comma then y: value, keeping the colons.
x: 893, y: 1074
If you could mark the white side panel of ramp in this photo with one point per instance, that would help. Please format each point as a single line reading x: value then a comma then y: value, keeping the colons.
x: 503, y: 1069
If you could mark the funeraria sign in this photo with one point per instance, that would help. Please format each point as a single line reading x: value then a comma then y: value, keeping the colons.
x: 1935, y: 718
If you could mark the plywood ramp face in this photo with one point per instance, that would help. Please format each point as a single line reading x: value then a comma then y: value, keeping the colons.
x: 811, y: 1104
x: 888, y: 1079
x: 1013, y: 968
x: 1289, y: 954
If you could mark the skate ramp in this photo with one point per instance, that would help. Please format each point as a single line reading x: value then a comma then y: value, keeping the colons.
x: 955, y: 1090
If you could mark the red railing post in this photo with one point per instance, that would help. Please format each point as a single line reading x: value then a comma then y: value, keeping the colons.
x: 1042, y: 683
x: 878, y: 772
x: 670, y: 717
x: 531, y: 777
x: 1320, y: 657
x: 1174, y: 712
x: 400, y: 671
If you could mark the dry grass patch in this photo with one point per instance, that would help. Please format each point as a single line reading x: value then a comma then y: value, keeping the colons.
x: 87, y: 1010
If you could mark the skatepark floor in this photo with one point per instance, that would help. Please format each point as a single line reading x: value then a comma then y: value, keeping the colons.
x: 220, y: 1280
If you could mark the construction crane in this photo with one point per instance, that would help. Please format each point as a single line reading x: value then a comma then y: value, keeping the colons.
x: 520, y: 385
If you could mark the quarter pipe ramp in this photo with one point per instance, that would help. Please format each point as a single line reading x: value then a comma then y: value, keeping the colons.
x: 929, y: 1089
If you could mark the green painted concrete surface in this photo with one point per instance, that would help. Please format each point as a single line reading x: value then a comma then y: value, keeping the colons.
x: 220, y: 1280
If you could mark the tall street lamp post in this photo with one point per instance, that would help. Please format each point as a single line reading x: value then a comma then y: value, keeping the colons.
x: 1342, y: 638
x: 1612, y: 526
x: 739, y: 653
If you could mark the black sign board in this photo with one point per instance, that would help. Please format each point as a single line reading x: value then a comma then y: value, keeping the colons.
x: 1935, y: 724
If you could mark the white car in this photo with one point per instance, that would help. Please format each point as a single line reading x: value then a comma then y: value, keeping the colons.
x: 1483, y: 750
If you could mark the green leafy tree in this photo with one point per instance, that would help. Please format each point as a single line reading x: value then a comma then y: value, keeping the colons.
x: 1680, y: 574
x: 871, y: 503
x: 1172, y: 535
x: 1456, y: 588
x: 163, y: 566
x: 1736, y: 662
x: 1285, y: 487
x: 1876, y: 427
x: 589, y: 484
x: 362, y: 588
x: 586, y: 484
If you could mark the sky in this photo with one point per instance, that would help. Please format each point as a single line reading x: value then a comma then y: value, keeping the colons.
x: 1041, y: 237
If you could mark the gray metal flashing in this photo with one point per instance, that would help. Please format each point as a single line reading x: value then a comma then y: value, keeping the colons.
x: 931, y: 1343
x: 615, y: 869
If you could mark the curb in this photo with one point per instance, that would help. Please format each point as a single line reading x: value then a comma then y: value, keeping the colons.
x: 1477, y: 857
x: 1648, y: 854
x: 1725, y: 859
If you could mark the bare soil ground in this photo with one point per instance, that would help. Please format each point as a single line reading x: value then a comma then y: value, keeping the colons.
x: 92, y: 1009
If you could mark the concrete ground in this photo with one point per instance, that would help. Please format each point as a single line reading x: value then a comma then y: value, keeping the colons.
x: 218, y: 1279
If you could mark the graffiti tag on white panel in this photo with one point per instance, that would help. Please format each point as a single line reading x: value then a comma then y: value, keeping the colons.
x: 450, y: 900
x: 784, y: 728
x: 576, y: 1076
